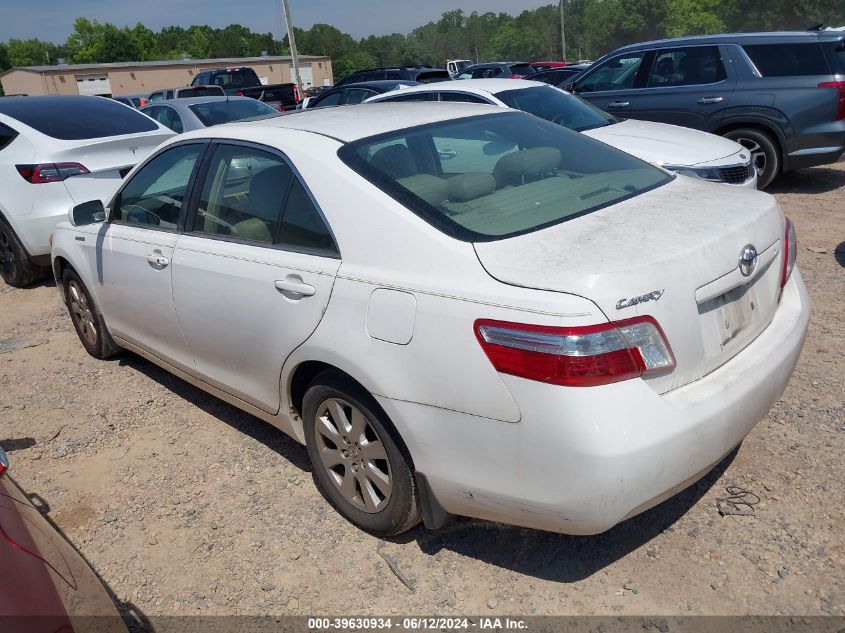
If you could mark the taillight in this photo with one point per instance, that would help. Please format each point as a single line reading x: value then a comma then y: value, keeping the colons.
x: 4, y: 462
x: 50, y: 172
x: 295, y: 94
x: 790, y: 252
x: 143, y: 102
x: 239, y: 93
x: 840, y: 87
x: 577, y: 356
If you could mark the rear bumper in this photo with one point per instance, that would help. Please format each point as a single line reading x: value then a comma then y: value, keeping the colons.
x: 813, y: 158
x: 581, y: 460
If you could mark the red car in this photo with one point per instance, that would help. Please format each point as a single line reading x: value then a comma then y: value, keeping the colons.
x: 45, y: 584
x: 538, y: 66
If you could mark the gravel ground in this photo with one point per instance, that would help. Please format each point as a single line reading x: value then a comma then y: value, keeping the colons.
x: 185, y: 505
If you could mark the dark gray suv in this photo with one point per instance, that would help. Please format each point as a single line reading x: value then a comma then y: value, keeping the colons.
x: 782, y: 95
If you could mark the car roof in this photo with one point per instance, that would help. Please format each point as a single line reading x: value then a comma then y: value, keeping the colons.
x: 739, y: 38
x: 189, y: 101
x: 354, y: 122
x: 380, y: 83
x: 478, y: 86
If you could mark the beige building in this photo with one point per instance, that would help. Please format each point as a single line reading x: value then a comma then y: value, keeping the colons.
x: 131, y: 78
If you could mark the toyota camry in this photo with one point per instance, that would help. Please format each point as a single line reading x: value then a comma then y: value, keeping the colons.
x: 458, y: 309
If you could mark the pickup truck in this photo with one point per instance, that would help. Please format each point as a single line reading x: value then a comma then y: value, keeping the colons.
x: 243, y: 82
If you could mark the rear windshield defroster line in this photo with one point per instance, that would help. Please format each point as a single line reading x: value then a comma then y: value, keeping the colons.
x: 496, y: 176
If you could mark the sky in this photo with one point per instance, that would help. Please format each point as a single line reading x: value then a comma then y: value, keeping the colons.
x: 52, y: 20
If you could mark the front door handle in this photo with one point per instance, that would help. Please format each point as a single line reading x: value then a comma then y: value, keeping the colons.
x: 706, y: 100
x: 157, y: 260
x: 618, y: 104
x: 296, y: 287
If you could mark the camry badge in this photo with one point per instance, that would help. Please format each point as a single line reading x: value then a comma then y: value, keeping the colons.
x: 748, y: 260
x: 654, y: 295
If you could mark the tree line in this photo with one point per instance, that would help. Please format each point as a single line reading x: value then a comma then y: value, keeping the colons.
x: 593, y: 27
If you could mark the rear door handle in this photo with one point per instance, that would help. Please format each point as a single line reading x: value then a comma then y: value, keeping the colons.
x: 618, y: 104
x: 157, y: 260
x: 295, y: 287
x: 706, y: 100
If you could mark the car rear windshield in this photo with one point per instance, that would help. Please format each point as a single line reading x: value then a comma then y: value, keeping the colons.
x: 236, y: 77
x: 217, y: 112
x: 77, y: 118
x: 430, y: 76
x: 558, y: 107
x: 491, y: 177
x: 521, y: 69
x: 201, y: 91
x: 788, y: 60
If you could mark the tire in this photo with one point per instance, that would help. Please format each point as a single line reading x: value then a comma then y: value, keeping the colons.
x: 765, y: 155
x: 16, y: 266
x: 86, y: 317
x: 371, y: 485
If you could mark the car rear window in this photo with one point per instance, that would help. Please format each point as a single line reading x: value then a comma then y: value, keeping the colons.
x: 430, y: 76
x: 558, y: 107
x: 788, y: 60
x: 521, y: 69
x: 201, y: 91
x: 490, y: 177
x: 217, y: 112
x: 236, y: 77
x: 77, y: 118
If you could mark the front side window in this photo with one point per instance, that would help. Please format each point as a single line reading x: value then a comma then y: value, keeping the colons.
x: 330, y: 99
x: 494, y: 176
x: 558, y: 107
x: 619, y: 73
x: 155, y: 195
x: 688, y: 66
x: 462, y: 97
x: 788, y: 60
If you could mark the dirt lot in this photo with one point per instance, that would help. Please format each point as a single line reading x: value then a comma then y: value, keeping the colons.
x: 185, y: 505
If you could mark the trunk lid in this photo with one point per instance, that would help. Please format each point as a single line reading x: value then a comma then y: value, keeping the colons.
x: 672, y: 253
x: 108, y: 159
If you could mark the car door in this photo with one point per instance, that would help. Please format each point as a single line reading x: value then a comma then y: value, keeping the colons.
x: 134, y: 249
x: 689, y: 86
x: 614, y: 85
x: 253, y: 271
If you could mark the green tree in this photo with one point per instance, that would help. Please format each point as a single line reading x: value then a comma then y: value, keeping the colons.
x: 31, y: 52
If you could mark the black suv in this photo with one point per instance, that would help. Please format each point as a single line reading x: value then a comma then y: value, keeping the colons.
x: 422, y: 74
x: 782, y: 95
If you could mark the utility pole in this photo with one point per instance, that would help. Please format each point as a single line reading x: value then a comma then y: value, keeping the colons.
x: 292, y: 41
x: 562, y: 32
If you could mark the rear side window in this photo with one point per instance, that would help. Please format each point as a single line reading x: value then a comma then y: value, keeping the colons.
x: 688, y: 66
x: 358, y: 95
x: 521, y: 69
x: 330, y: 99
x: 7, y: 135
x: 414, y: 96
x: 788, y: 60
x: 237, y: 77
x: 218, y: 112
x: 462, y: 97
x: 432, y: 76
x: 77, y: 118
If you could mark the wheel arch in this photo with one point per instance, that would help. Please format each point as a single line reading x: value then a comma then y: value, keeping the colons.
x: 761, y: 125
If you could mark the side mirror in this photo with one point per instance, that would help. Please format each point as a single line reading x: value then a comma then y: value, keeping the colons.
x: 90, y: 212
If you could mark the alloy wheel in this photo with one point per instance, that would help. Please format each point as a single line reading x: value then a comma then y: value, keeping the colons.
x: 758, y: 156
x: 353, y: 455
x: 82, y: 314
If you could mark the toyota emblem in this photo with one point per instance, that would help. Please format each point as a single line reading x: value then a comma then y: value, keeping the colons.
x: 747, y: 260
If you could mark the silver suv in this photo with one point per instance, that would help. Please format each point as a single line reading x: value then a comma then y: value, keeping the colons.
x: 782, y: 95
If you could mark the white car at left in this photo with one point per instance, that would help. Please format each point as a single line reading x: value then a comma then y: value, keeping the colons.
x: 55, y: 152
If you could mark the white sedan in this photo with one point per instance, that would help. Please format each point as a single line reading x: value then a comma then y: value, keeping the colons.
x: 56, y: 152
x: 681, y: 150
x: 531, y: 327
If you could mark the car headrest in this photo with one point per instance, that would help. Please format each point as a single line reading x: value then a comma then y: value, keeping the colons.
x: 395, y: 160
x: 470, y: 186
x: 518, y: 167
x: 253, y: 229
x: 266, y: 191
x: 434, y: 190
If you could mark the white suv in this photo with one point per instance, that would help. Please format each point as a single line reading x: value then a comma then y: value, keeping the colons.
x: 56, y: 152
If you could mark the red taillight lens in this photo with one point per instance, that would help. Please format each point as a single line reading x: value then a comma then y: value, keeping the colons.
x: 4, y: 462
x: 143, y: 102
x: 239, y: 93
x: 840, y: 87
x: 790, y: 252
x: 577, y: 356
x: 295, y: 94
x: 50, y: 172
